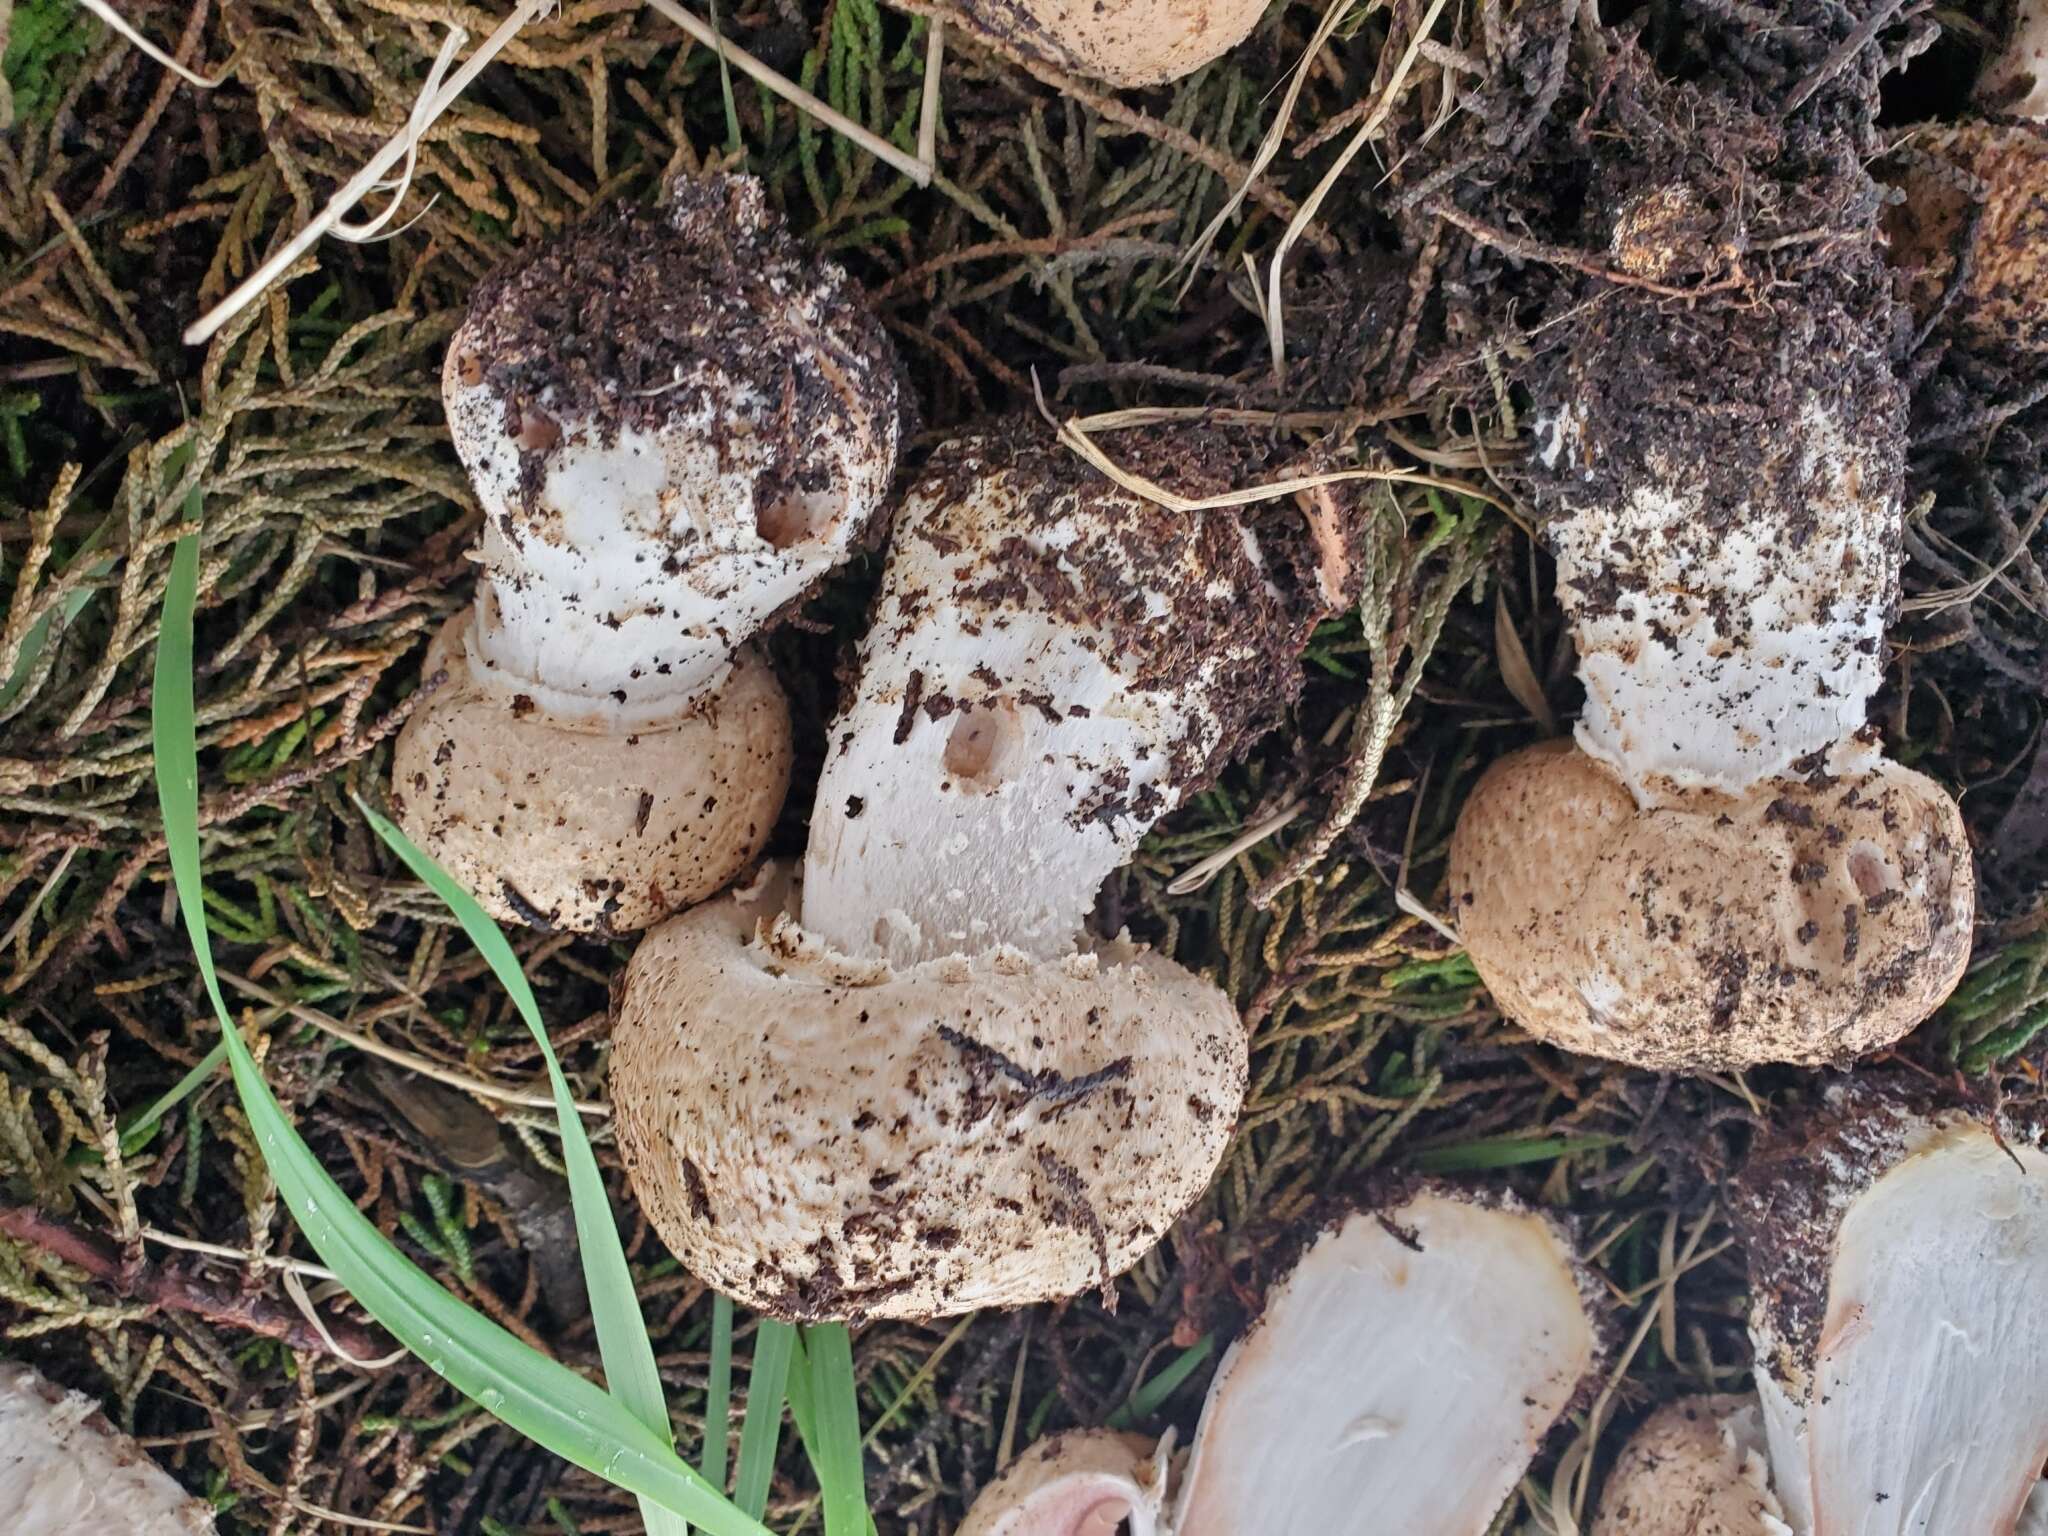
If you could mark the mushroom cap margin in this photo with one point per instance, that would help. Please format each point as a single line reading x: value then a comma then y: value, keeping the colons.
x: 1808, y: 921
x: 821, y: 1137
x: 593, y: 831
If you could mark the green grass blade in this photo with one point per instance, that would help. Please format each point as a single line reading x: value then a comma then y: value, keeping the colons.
x: 136, y: 1134
x: 761, y: 1430
x: 1506, y: 1152
x: 540, y: 1397
x: 718, y: 1393
x: 833, y: 1439
x: 1146, y: 1398
x: 622, y: 1340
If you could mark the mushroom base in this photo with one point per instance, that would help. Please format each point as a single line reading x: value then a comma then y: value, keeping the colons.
x: 1808, y: 920
x: 824, y: 1137
x: 588, y: 830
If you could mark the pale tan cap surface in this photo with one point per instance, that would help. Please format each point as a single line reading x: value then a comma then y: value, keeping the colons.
x: 2004, y: 303
x: 591, y: 830
x: 1126, y: 42
x: 1695, y: 1467
x: 820, y: 1137
x: 1805, y: 921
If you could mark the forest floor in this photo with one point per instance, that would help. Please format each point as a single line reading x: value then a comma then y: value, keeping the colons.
x: 1059, y: 248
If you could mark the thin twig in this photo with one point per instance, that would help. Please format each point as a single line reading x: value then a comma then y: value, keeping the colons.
x: 171, y: 1285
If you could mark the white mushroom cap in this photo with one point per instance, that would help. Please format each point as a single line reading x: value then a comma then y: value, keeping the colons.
x: 1721, y: 642
x: 1805, y: 920
x: 2017, y: 80
x: 1696, y: 1467
x: 1401, y: 1378
x: 677, y: 421
x: 65, y: 1471
x: 1084, y: 1483
x: 546, y: 821
x: 1130, y: 42
x: 1053, y: 664
x: 1897, y: 1260
x: 820, y: 1136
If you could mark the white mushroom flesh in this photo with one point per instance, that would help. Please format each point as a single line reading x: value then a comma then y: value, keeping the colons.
x: 1400, y: 1379
x: 64, y: 1471
x: 1054, y: 662
x: 1716, y: 651
x: 1928, y: 1411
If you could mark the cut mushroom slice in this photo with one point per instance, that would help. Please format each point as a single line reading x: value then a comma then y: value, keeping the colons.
x: 1054, y: 663
x: 1898, y: 1251
x: 1132, y: 42
x: 551, y: 822
x: 65, y: 1471
x: 1404, y: 1373
x: 821, y: 1137
x: 1401, y: 1377
x: 677, y: 420
x: 1803, y: 920
x: 1086, y: 1483
x: 1723, y: 870
x: 1696, y: 1467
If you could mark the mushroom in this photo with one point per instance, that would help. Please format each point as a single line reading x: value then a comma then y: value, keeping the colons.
x: 65, y: 1471
x: 1401, y: 1377
x: 1088, y: 1482
x: 1721, y: 869
x: 906, y: 1081
x: 1696, y: 1467
x: 1997, y: 168
x: 1133, y: 42
x: 1898, y: 1247
x: 677, y: 422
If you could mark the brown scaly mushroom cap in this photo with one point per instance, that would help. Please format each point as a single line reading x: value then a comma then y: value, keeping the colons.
x: 677, y: 420
x: 65, y: 1471
x: 910, y: 1084
x: 1898, y: 1248
x: 1997, y: 168
x: 1128, y: 42
x: 1339, y: 1409
x: 1696, y: 1467
x: 1721, y: 869
x: 1716, y: 930
x: 590, y: 830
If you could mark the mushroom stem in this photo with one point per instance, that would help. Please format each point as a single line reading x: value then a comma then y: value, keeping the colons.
x: 1054, y: 664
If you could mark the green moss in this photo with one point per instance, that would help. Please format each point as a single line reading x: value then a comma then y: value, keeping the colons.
x: 48, y: 41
